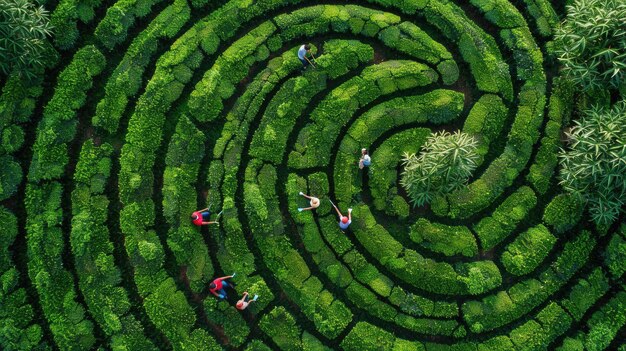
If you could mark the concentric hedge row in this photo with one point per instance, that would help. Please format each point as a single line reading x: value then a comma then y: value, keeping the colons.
x: 156, y: 109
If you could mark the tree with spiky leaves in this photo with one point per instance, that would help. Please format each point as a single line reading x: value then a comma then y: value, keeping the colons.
x: 445, y: 164
x: 24, y: 29
x: 591, y: 43
x: 594, y: 165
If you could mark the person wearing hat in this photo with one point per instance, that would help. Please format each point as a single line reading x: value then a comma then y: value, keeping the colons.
x: 365, y: 160
x: 245, y: 301
x: 314, y: 202
x: 201, y: 217
x: 344, y: 221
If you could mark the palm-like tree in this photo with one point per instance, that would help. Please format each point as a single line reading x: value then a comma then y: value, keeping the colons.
x: 445, y: 164
x: 594, y: 166
x: 24, y: 28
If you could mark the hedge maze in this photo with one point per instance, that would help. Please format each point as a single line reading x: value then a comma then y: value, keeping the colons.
x: 157, y: 108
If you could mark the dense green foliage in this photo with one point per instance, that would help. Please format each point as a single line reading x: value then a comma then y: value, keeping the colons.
x: 24, y: 29
x: 594, y: 163
x: 445, y: 164
x: 591, y: 43
x: 157, y: 109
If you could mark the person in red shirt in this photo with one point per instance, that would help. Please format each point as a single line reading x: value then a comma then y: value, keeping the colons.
x: 217, y: 287
x: 201, y: 217
x: 245, y: 301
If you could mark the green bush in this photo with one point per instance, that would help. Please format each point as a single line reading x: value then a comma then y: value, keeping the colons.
x: 524, y: 254
x: 65, y: 17
x: 448, y: 240
x: 585, y: 294
x: 10, y: 176
x: 563, y: 212
x: 58, y: 124
x: 119, y: 18
x: 615, y: 254
x: 365, y: 336
x: 492, y: 230
x: 126, y: 79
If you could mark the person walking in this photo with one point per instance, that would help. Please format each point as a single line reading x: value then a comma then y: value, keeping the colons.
x: 302, y: 53
x: 344, y: 222
x: 201, y: 217
x: 314, y: 202
x: 245, y: 301
x: 365, y: 160
x: 218, y: 286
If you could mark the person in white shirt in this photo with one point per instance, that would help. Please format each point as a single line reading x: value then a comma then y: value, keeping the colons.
x: 302, y: 52
x: 365, y: 160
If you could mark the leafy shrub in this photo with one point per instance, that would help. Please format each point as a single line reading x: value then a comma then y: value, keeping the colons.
x: 589, y: 43
x: 584, y: 294
x: 64, y: 19
x: 594, y: 165
x: 449, y: 240
x: 10, y: 176
x: 58, y: 125
x: 24, y: 29
x: 492, y: 230
x: 563, y: 212
x: 528, y: 250
x: 615, y: 255
x: 444, y: 165
x: 119, y: 18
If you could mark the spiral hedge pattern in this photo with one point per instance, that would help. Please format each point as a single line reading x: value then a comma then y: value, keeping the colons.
x: 155, y: 109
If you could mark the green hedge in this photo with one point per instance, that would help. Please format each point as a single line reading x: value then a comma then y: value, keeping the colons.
x: 563, y: 212
x: 182, y: 164
x: 384, y: 173
x: 538, y: 334
x: 282, y: 328
x: 126, y: 79
x: 54, y: 284
x: 505, y: 307
x: 492, y: 230
x: 486, y: 120
x: 438, y: 106
x: 605, y: 324
x: 120, y: 17
x: 18, y: 330
x: 585, y: 294
x: 218, y: 83
x: 408, y: 265
x: 546, y: 19
x: 65, y: 16
x: 330, y: 316
x: 441, y: 238
x: 542, y: 170
x: 505, y: 169
x: 615, y: 254
x: 58, y: 124
x: 316, y: 139
x: 101, y: 287
x: 528, y: 250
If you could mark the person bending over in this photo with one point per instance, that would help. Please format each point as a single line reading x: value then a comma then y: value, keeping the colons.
x: 219, y: 285
x: 314, y: 202
x: 245, y: 301
x: 201, y: 217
